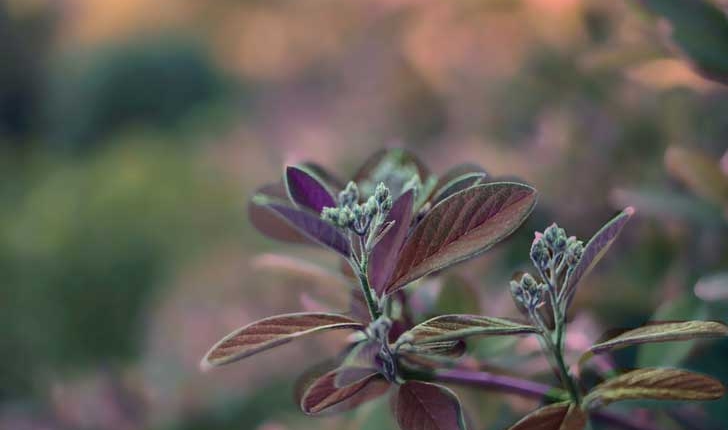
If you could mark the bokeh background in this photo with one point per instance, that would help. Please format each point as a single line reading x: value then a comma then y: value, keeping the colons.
x: 132, y: 134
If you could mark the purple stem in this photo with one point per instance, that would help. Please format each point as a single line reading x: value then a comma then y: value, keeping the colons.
x: 535, y: 390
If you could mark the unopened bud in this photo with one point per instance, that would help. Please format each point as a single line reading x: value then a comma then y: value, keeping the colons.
x: 371, y: 208
x: 381, y: 193
x: 555, y: 237
x: 350, y: 195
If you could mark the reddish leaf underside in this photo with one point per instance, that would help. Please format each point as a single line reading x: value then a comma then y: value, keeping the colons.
x: 424, y: 406
x: 664, y: 332
x: 460, y: 227
x: 271, y: 332
x: 595, y: 249
x: 561, y: 416
x: 306, y: 190
x: 454, y: 327
x: 324, y: 396
x: 384, y: 255
x: 656, y: 384
x: 312, y: 226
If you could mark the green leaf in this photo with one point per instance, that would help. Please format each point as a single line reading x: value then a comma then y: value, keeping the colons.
x: 699, y: 30
x: 655, y: 384
x: 461, y: 227
x: 699, y: 172
x: 595, y: 249
x: 664, y: 332
x: 424, y: 406
x: 561, y: 416
x: 271, y: 332
x: 456, y: 327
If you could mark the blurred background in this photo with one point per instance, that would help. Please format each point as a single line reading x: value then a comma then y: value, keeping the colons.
x: 132, y: 134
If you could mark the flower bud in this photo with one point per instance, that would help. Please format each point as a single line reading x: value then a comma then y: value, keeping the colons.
x: 350, y: 195
x: 371, y: 208
x: 540, y: 254
x: 555, y: 237
x: 381, y: 193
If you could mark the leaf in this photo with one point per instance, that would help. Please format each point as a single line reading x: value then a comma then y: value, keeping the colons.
x: 461, y: 227
x: 456, y: 327
x: 595, y: 249
x: 396, y: 156
x: 457, y: 184
x: 561, y: 416
x: 313, y: 227
x: 384, y: 255
x: 330, y: 180
x: 663, y: 332
x: 713, y: 288
x: 324, y: 396
x: 271, y: 332
x: 307, y: 191
x: 272, y: 226
x: 699, y: 172
x: 360, y: 362
x: 699, y: 30
x: 424, y: 406
x: 655, y: 384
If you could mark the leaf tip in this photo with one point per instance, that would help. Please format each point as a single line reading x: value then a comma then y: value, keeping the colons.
x: 205, y: 365
x: 629, y: 210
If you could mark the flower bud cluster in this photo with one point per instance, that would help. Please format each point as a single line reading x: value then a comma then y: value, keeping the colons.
x: 351, y: 215
x: 528, y: 292
x: 554, y: 250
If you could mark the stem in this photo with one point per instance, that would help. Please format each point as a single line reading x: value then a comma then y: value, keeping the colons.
x: 507, y: 384
x: 366, y: 289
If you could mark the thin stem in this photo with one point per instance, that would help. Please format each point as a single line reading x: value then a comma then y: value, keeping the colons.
x: 364, y: 282
x: 501, y: 383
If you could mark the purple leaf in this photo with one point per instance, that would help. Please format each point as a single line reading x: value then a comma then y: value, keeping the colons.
x: 271, y: 332
x: 322, y: 395
x: 306, y: 190
x: 313, y: 227
x: 460, y: 227
x: 384, y: 256
x: 423, y: 406
x: 456, y: 185
x: 561, y: 416
x: 272, y: 226
x: 455, y: 327
x: 595, y: 250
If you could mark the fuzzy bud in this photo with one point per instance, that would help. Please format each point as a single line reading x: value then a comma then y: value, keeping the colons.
x: 555, y: 238
x: 540, y: 254
x: 350, y: 195
x: 371, y: 208
x: 381, y: 193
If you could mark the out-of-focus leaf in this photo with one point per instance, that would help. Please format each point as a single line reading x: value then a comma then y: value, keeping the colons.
x: 700, y: 173
x: 595, y: 249
x: 312, y: 226
x: 457, y: 295
x: 457, y: 184
x: 333, y: 183
x: 271, y: 332
x: 396, y: 156
x: 460, y: 227
x: 667, y: 205
x: 324, y: 396
x: 655, y: 384
x: 664, y: 332
x: 360, y: 362
x: 457, y: 171
x: 713, y: 288
x: 384, y: 255
x: 671, y: 354
x: 700, y: 30
x: 424, y: 406
x: 273, y: 226
x: 306, y: 190
x: 455, y: 327
x: 561, y: 416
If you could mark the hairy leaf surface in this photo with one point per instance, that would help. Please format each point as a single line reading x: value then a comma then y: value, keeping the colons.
x: 663, y: 332
x: 306, y: 190
x: 655, y: 384
x: 270, y: 332
x: 460, y: 227
x: 596, y: 248
x: 424, y: 406
x: 455, y: 327
x: 561, y: 416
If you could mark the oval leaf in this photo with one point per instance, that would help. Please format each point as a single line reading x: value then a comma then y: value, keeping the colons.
x: 272, y: 226
x: 663, y: 332
x: 384, y: 254
x: 655, y: 384
x: 306, y: 190
x: 595, y: 249
x: 455, y: 327
x: 324, y: 396
x: 561, y: 416
x: 423, y: 406
x: 312, y: 226
x: 270, y: 332
x: 457, y: 184
x: 460, y: 227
